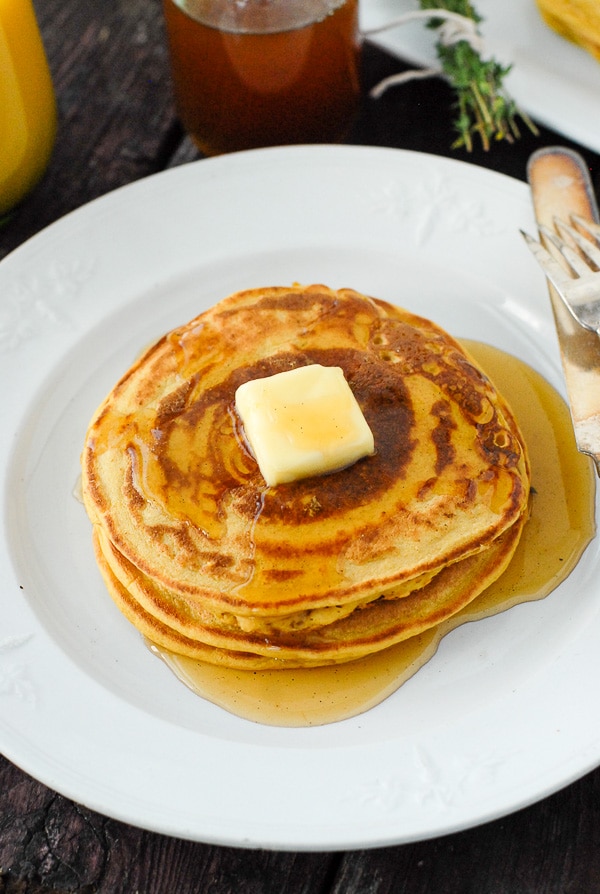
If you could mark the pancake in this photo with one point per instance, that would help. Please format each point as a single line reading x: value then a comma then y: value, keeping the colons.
x: 194, y: 546
x: 575, y: 20
x: 382, y: 623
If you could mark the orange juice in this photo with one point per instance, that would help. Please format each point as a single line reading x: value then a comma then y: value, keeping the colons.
x: 27, y: 106
x: 264, y: 72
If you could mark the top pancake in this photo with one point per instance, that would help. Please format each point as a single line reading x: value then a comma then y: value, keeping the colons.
x: 169, y: 478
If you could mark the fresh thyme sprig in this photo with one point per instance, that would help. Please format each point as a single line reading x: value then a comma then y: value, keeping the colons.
x: 483, y: 106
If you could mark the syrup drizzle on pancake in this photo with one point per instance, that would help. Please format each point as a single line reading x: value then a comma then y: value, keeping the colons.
x: 166, y: 478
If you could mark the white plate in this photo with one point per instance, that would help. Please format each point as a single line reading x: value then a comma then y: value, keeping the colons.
x: 499, y: 718
x: 556, y: 82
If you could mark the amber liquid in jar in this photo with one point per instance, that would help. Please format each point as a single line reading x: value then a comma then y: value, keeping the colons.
x: 560, y: 526
x: 244, y: 78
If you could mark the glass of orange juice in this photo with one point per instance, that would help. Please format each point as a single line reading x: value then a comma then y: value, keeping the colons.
x: 249, y: 73
x: 27, y: 104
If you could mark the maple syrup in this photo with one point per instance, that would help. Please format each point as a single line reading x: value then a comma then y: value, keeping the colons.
x: 561, y: 525
x: 241, y: 82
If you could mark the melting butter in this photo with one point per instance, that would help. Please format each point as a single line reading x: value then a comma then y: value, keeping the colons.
x: 561, y: 525
x: 301, y: 422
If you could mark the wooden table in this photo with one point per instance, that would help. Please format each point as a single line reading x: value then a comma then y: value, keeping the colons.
x: 117, y: 124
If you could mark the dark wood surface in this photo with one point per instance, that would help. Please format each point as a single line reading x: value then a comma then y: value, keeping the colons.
x: 117, y: 124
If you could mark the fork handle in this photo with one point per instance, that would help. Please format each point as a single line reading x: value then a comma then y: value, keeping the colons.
x: 560, y: 187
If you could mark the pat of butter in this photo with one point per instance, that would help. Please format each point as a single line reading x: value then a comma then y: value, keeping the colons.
x: 303, y: 422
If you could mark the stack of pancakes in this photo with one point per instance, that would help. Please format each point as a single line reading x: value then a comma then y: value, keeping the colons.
x: 208, y: 562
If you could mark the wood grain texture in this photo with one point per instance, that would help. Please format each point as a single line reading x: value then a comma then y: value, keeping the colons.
x: 117, y: 124
x: 550, y: 848
x: 47, y: 840
x: 48, y: 843
x: 116, y: 121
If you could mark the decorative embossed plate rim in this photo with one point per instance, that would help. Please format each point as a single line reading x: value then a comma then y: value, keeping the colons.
x: 498, y: 719
x: 555, y: 81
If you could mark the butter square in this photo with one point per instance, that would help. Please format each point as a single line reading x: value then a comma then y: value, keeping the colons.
x: 303, y: 422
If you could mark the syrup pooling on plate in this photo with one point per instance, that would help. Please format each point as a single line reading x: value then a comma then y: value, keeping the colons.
x: 560, y: 526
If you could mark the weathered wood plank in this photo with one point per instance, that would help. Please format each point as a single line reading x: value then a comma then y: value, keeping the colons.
x: 47, y: 840
x: 550, y: 848
x: 116, y: 119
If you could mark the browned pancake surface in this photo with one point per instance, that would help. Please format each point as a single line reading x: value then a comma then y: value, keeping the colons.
x: 168, y: 477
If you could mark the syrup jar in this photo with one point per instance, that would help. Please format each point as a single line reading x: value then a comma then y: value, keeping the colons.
x: 250, y: 73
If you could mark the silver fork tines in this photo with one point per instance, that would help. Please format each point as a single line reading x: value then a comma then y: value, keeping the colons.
x: 579, y: 283
x: 588, y: 248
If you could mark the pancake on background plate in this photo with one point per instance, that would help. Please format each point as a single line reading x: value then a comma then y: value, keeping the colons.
x: 208, y: 561
x: 575, y: 20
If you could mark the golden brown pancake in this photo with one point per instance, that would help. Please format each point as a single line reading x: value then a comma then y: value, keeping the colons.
x: 181, y: 628
x: 191, y: 541
x: 575, y: 20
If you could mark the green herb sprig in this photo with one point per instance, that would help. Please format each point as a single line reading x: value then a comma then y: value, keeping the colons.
x: 484, y: 108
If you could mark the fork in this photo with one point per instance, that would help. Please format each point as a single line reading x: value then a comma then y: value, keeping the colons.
x: 579, y: 289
